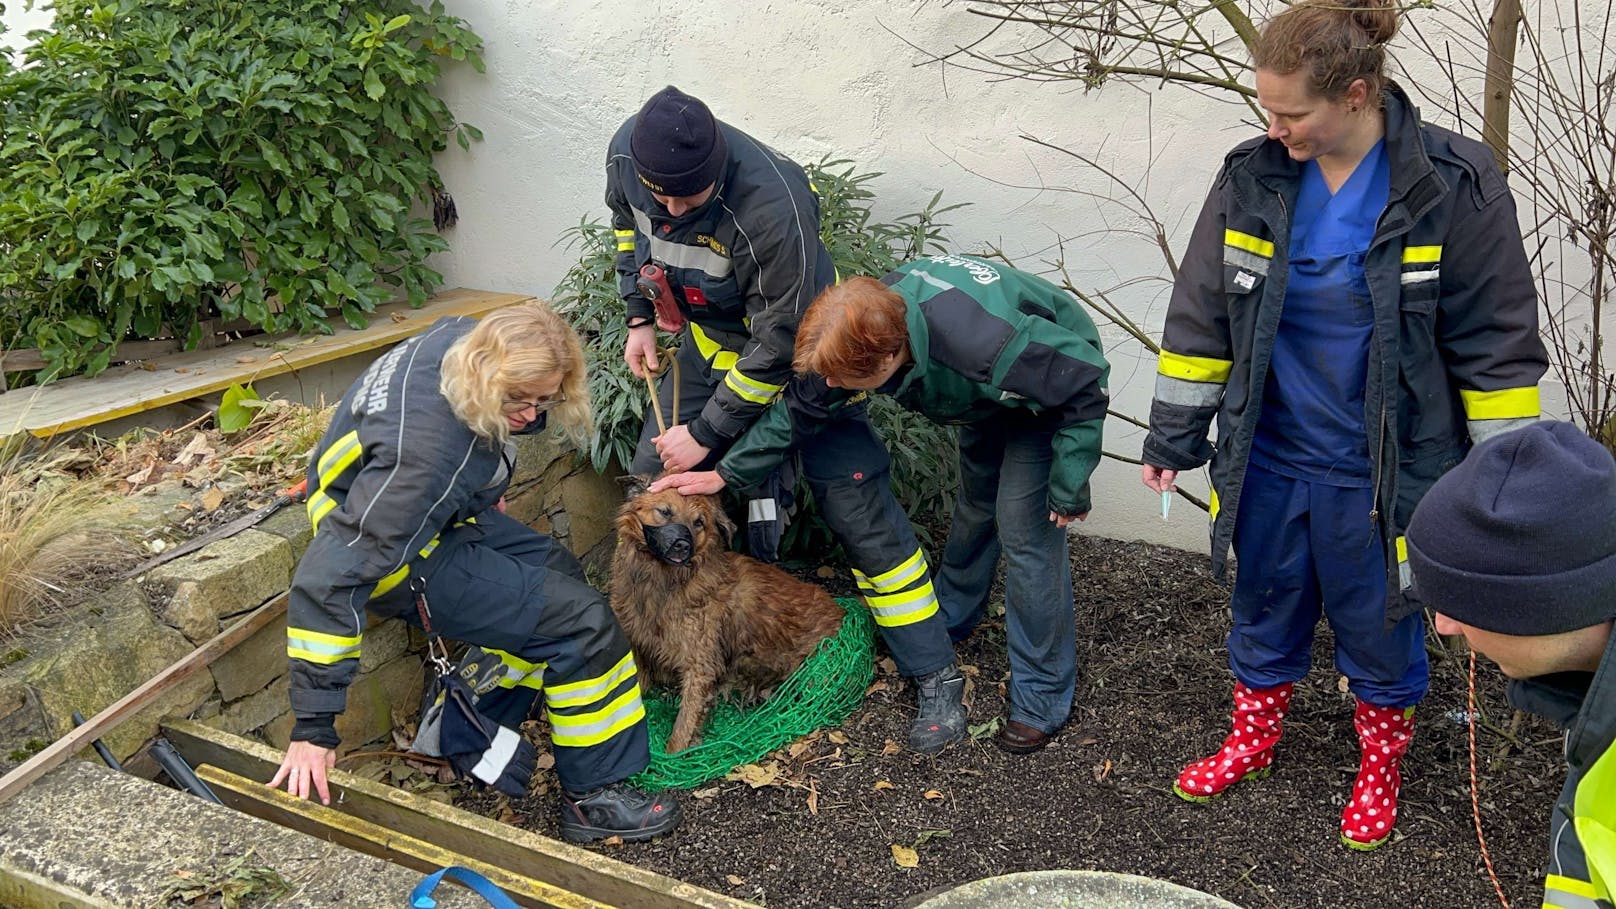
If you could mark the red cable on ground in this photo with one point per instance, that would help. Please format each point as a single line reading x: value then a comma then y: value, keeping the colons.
x: 1475, y: 789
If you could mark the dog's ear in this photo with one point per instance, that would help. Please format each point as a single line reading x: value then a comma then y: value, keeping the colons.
x: 634, y: 485
x: 726, y: 527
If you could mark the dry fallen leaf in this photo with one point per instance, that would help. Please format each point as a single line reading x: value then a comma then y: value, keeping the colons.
x: 825, y: 571
x: 813, y: 800
x: 709, y: 792
x: 838, y: 738
x: 905, y: 857
x: 882, y: 784
x: 212, y: 498
x: 612, y: 841
x: 734, y: 880
x: 1090, y: 740
x: 1102, y: 770
x: 874, y: 687
x: 398, y: 317
x: 891, y: 748
x: 756, y: 776
x: 887, y: 666
x: 798, y: 749
x: 933, y: 794
x: 1341, y: 684
x: 544, y: 761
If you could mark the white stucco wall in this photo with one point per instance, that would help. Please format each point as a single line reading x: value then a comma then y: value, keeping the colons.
x: 836, y: 77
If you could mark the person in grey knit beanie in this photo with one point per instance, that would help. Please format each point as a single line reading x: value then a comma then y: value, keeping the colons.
x: 1515, y: 549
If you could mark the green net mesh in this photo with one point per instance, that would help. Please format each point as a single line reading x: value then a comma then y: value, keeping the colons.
x: 822, y: 692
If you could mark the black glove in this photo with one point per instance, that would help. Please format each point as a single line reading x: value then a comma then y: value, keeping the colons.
x: 478, y: 747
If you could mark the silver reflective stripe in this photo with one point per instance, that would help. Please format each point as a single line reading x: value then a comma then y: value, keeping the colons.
x: 760, y: 510
x: 497, y: 756
x: 1183, y: 392
x: 1561, y: 899
x: 1405, y: 578
x: 929, y: 601
x: 569, y: 728
x: 1482, y: 430
x: 895, y: 583
x: 938, y: 283
x: 1241, y: 258
x: 679, y: 255
x: 1424, y: 274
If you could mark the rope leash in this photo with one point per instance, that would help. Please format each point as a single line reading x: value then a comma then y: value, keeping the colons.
x: 650, y: 385
x: 1475, y: 789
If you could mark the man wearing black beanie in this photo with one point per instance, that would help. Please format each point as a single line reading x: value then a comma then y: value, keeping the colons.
x: 1515, y: 549
x: 718, y: 240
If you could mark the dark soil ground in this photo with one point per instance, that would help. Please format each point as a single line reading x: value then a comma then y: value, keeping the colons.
x: 1153, y: 693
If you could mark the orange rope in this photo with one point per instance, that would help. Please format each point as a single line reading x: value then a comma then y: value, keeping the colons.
x: 1475, y: 789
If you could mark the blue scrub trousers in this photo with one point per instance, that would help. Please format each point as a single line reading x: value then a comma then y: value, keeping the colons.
x: 1302, y: 548
x: 1003, y: 506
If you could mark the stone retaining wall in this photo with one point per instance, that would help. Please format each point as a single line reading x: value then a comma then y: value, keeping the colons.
x: 111, y: 645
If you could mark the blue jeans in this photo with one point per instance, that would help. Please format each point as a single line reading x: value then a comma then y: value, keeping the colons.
x: 1003, y: 506
x: 1304, y: 548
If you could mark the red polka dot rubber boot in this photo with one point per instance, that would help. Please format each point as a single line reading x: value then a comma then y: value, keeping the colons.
x: 1248, y: 752
x: 1383, y: 737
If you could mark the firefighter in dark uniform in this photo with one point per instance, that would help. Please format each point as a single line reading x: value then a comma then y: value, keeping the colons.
x: 718, y: 240
x: 405, y: 496
x: 1017, y: 364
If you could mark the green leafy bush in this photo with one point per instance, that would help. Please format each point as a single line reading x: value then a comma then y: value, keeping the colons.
x: 925, y: 470
x: 165, y: 162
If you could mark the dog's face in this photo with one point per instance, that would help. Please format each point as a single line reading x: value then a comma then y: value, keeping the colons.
x: 677, y: 529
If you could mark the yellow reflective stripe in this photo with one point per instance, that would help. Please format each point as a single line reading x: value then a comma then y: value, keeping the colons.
x: 1194, y: 369
x: 520, y: 673
x: 1421, y: 254
x: 319, y: 506
x: 620, y: 234
x: 897, y: 578
x: 584, y: 729
x: 573, y: 694
x: 712, y: 351
x: 1503, y: 404
x: 338, y: 449
x: 625, y: 245
x: 1248, y: 243
x: 1402, y: 550
x: 749, y: 388
x: 1580, y: 893
x: 397, y: 577
x: 894, y: 610
x: 317, y: 647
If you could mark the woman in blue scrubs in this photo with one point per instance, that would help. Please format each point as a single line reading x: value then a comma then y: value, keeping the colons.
x: 1355, y: 309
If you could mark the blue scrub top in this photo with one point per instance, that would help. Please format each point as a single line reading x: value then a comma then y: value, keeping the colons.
x: 1312, y: 424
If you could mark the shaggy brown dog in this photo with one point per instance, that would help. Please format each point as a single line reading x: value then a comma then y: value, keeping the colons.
x: 702, y: 617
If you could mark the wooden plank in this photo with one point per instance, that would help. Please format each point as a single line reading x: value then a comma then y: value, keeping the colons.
x: 277, y: 806
x: 99, y: 725
x: 569, y: 867
x: 78, y: 402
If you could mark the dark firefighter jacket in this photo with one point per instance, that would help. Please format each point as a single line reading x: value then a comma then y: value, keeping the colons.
x: 1455, y: 355
x: 984, y: 338
x: 743, y: 268
x: 394, y: 470
x: 1582, y: 831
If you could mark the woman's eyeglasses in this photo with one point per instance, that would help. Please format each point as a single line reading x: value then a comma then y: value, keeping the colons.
x: 511, y: 408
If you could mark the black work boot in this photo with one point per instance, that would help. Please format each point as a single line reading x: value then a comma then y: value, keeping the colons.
x: 617, y: 810
x: 941, y: 720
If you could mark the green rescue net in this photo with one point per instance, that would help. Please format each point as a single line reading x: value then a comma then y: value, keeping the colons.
x: 822, y: 692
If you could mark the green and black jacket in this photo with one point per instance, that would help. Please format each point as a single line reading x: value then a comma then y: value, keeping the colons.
x: 985, y: 338
x: 1455, y: 355
x: 1582, y: 831
x: 743, y: 269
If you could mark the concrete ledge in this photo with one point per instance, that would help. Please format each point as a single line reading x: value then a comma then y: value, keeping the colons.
x: 86, y: 836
